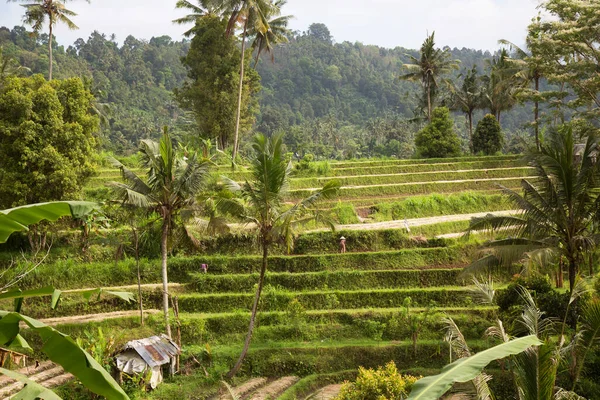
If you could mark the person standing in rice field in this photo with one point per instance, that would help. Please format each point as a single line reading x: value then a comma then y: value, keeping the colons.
x: 342, y: 244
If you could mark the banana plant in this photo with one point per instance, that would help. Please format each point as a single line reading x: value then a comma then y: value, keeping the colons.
x: 58, y: 347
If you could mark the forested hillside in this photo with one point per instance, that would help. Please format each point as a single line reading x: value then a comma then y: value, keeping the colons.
x: 348, y: 95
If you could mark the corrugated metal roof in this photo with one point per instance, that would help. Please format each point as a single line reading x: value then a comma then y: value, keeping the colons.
x: 155, y: 350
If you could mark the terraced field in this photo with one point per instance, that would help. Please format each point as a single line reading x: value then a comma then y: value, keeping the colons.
x: 323, y: 314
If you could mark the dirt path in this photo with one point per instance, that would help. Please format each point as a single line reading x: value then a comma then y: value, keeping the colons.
x: 84, y: 319
x: 401, y: 224
x: 328, y: 392
x: 146, y: 286
x: 275, y: 388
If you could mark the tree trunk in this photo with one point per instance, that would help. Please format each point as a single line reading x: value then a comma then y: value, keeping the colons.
x: 470, y: 117
x: 428, y: 88
x: 591, y: 262
x: 165, y: 280
x: 498, y: 118
x: 240, y: 90
x: 261, y: 279
x: 536, y: 113
x: 50, y: 53
x: 572, y: 274
x: 559, y: 278
x: 136, y: 243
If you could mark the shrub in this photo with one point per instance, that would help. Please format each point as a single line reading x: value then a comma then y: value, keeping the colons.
x: 438, y: 138
x: 488, y: 138
x: 385, y: 383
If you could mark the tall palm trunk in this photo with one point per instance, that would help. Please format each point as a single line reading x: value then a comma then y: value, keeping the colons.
x: 261, y: 279
x: 50, y: 53
x: 536, y: 113
x: 428, y: 89
x: 136, y: 243
x: 470, y: 118
x: 163, y: 249
x: 573, y: 270
x: 240, y: 90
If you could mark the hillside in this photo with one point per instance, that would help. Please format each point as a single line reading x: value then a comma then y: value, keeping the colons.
x: 348, y: 94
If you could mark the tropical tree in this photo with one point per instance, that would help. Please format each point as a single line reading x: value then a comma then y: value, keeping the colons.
x: 276, y: 33
x: 500, y: 84
x: 467, y: 98
x: 59, y: 347
x: 201, y: 10
x: 529, y: 70
x: 171, y: 186
x: 534, y: 361
x: 36, y: 13
x: 262, y: 202
x: 488, y: 137
x: 253, y: 15
x: 557, y: 210
x: 9, y: 66
x: 438, y: 138
x: 428, y: 69
x: 567, y: 42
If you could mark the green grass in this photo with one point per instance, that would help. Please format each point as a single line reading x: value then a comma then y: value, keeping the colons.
x: 415, y: 188
x: 434, y: 176
x: 275, y: 300
x: 339, y: 280
x: 440, y: 204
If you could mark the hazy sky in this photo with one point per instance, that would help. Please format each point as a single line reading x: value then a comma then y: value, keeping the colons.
x: 389, y: 23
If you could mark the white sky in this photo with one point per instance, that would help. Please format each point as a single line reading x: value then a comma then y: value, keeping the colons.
x: 458, y: 23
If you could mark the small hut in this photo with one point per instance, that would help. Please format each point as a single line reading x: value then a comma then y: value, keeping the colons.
x: 149, y: 354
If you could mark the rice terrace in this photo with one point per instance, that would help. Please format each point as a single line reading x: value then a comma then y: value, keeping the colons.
x: 253, y: 211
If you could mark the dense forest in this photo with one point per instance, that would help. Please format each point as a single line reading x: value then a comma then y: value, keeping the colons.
x: 347, y: 94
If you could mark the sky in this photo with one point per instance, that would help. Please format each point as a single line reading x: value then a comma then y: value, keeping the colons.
x: 477, y: 24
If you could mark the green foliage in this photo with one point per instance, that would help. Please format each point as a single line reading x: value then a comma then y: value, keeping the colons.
x: 466, y: 369
x: 213, y: 65
x: 488, y: 137
x: 385, y: 383
x: 62, y: 350
x: 438, y: 138
x: 440, y: 204
x: 46, y: 140
x: 315, y: 300
x: 18, y: 219
x: 340, y: 280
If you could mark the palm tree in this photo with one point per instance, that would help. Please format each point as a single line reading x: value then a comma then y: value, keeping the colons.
x: 253, y: 16
x: 204, y: 8
x: 261, y: 201
x: 467, y: 98
x: 9, y: 66
x: 529, y: 70
x: 171, y: 186
x: 277, y: 31
x: 558, y: 209
x: 36, y: 12
x: 501, y: 84
x: 427, y: 69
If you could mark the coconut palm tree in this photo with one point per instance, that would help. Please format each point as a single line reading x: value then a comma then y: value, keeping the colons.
x: 171, y: 186
x: 558, y: 209
x: 428, y: 69
x: 36, y: 12
x: 467, y: 98
x: 261, y: 201
x: 252, y: 15
x: 277, y: 31
x: 202, y: 9
x: 530, y: 71
x: 500, y: 84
